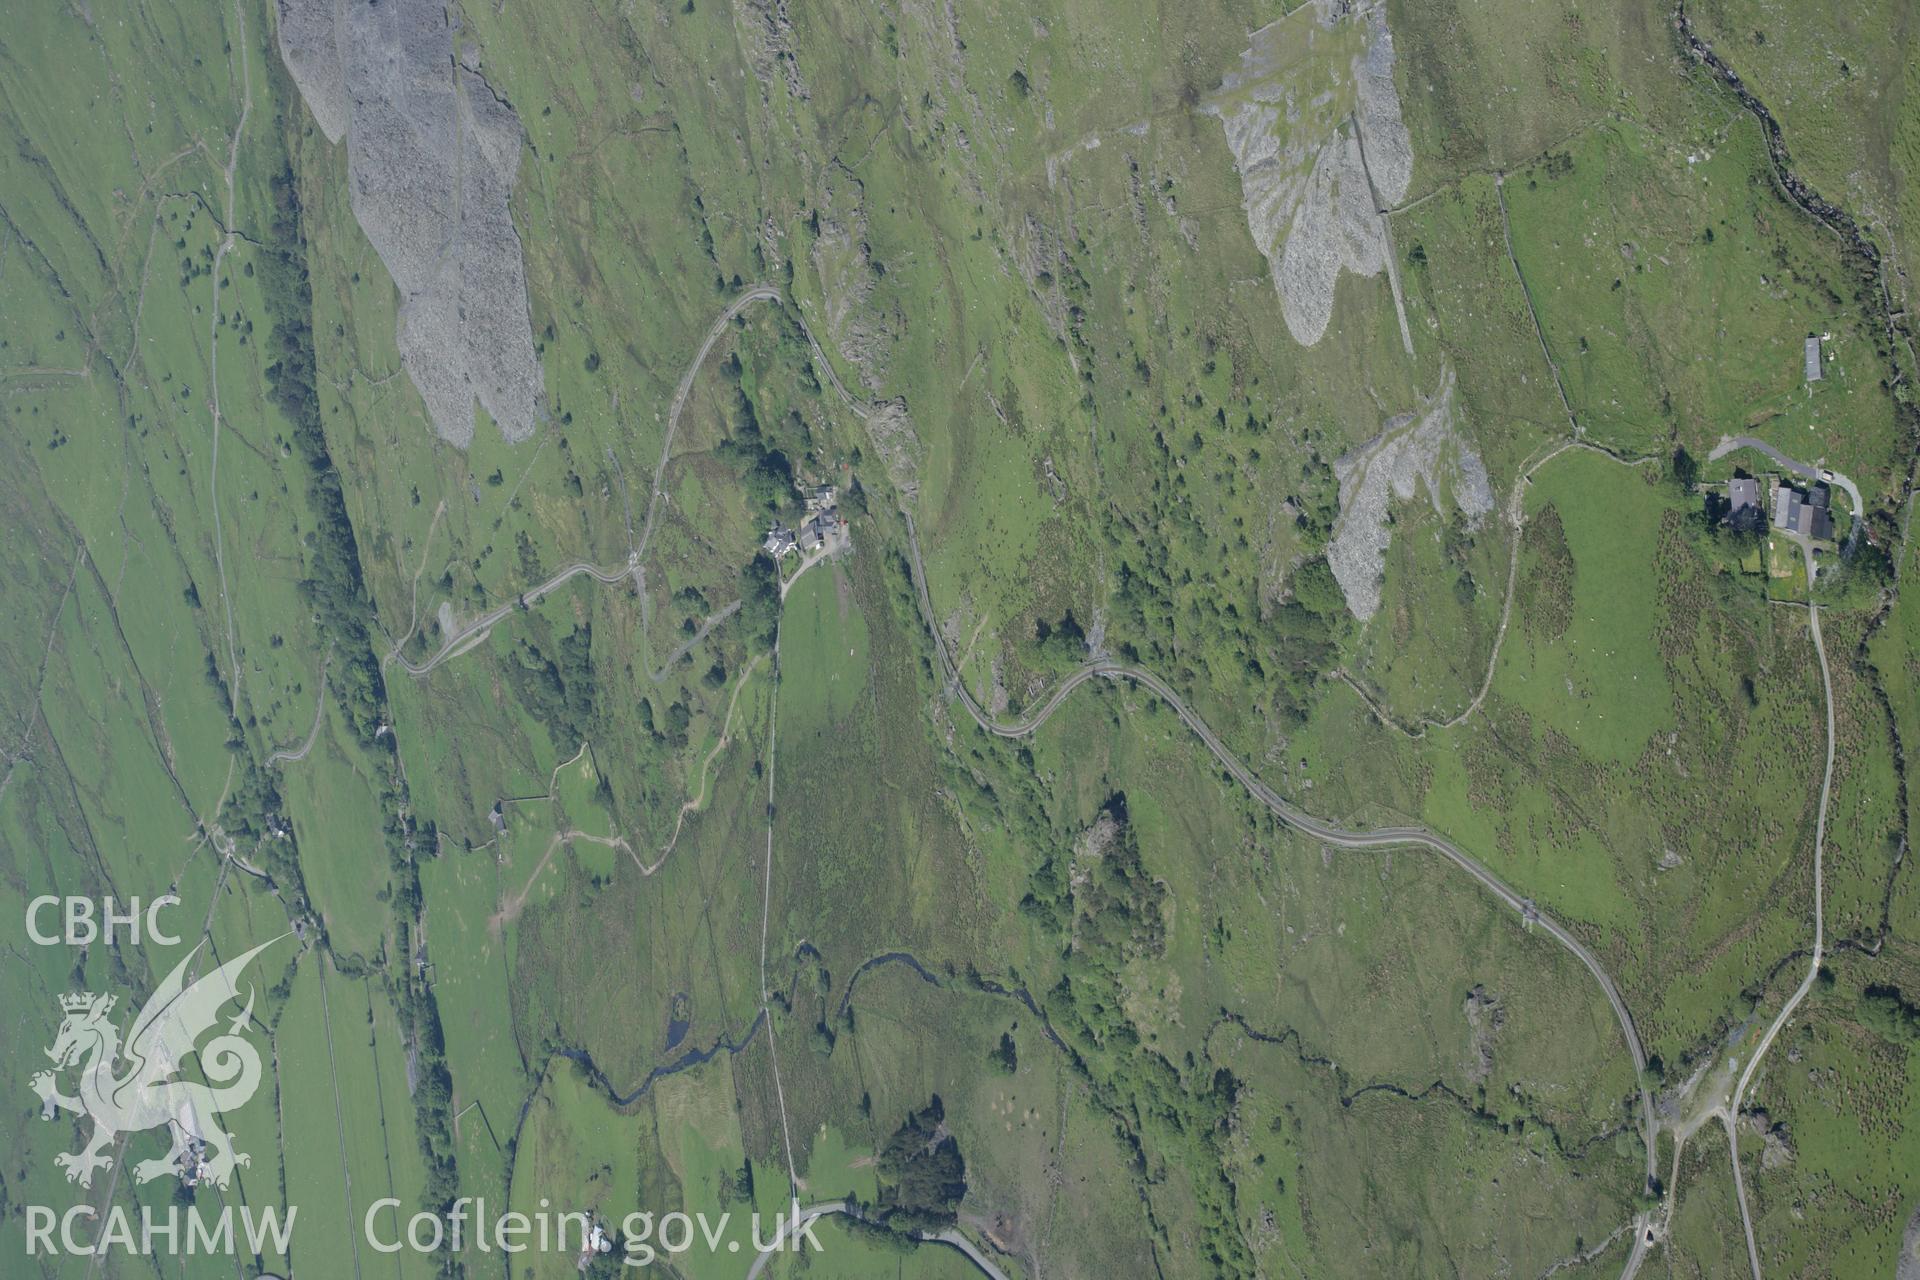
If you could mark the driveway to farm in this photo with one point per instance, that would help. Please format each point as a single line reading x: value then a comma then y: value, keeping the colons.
x: 836, y: 542
x: 1731, y: 1112
x: 1729, y: 443
x: 1720, y: 1095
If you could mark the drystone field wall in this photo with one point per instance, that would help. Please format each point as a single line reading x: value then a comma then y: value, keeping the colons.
x: 1313, y: 121
x: 432, y: 153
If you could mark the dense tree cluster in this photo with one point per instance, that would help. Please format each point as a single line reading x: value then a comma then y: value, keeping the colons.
x: 1886, y: 1009
x: 333, y: 585
x: 1176, y: 620
x: 759, y: 601
x: 765, y: 471
x: 1059, y: 646
x: 1106, y: 909
x: 923, y: 1177
x: 557, y: 689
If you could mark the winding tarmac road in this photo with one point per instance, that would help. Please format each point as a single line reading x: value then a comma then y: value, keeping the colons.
x: 1341, y: 837
x: 1385, y: 837
x: 951, y: 1237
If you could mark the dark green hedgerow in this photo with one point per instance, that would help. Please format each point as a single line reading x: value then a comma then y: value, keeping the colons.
x: 333, y: 584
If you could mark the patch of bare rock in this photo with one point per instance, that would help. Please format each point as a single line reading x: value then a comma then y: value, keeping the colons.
x: 1313, y: 121
x: 432, y: 153
x: 1410, y: 453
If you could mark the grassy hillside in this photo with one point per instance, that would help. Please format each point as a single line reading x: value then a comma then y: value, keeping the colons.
x: 613, y: 865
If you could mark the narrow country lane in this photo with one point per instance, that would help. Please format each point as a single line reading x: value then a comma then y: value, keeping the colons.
x: 1383, y: 837
x: 953, y: 1237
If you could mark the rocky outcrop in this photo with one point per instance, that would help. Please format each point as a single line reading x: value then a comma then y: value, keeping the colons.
x: 766, y: 37
x: 1313, y: 121
x: 1409, y: 453
x: 861, y: 329
x: 1485, y: 1017
x: 432, y: 153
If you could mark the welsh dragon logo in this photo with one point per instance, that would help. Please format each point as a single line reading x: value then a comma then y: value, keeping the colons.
x: 129, y: 1086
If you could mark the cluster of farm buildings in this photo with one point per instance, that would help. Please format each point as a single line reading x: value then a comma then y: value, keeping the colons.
x: 1755, y: 504
x: 822, y: 523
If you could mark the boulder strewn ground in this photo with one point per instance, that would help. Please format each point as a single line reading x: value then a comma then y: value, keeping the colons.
x: 432, y: 153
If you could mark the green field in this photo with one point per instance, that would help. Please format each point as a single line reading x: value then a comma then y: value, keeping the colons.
x: 611, y: 869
